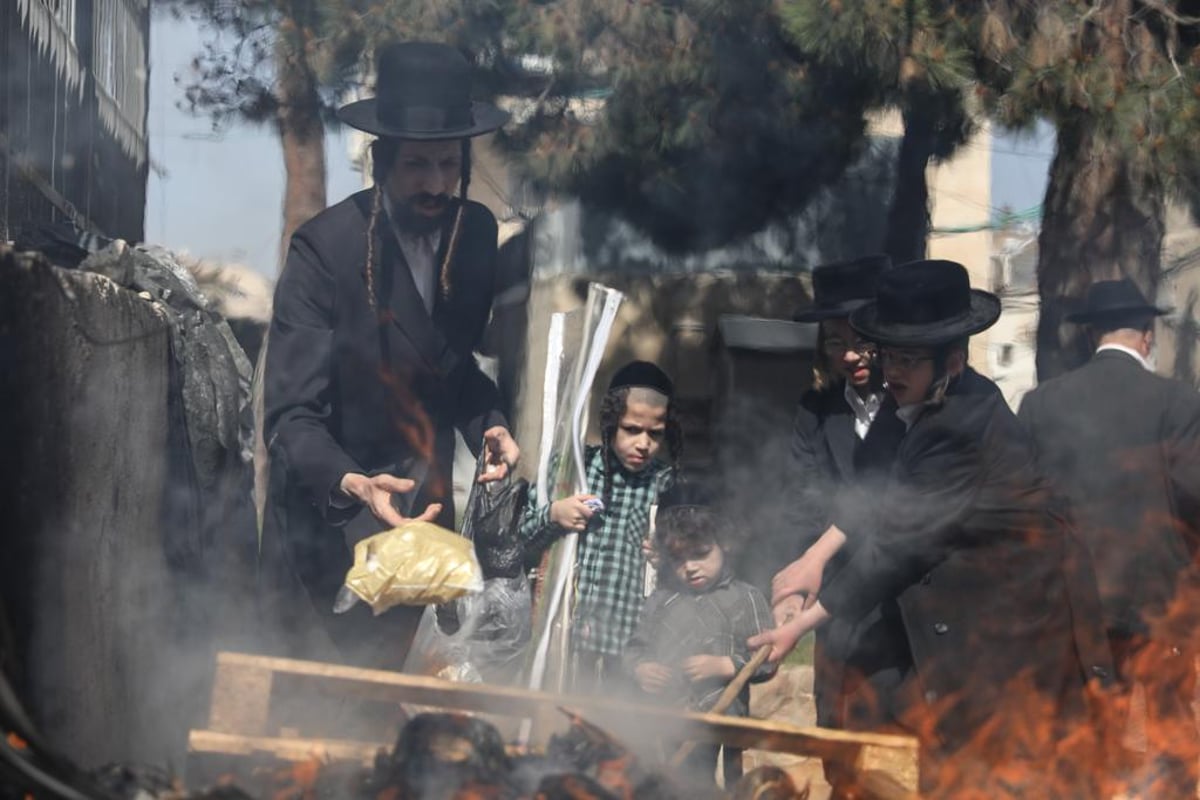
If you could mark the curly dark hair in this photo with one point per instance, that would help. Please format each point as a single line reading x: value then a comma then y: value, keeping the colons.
x: 681, y: 529
x: 612, y: 408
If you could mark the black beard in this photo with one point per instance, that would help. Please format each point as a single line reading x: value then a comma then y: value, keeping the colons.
x: 410, y: 221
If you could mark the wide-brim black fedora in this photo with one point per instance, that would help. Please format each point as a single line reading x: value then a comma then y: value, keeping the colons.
x: 925, y: 304
x: 842, y: 287
x: 422, y: 92
x: 1119, y: 299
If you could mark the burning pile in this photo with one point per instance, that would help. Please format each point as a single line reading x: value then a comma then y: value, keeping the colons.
x: 457, y: 757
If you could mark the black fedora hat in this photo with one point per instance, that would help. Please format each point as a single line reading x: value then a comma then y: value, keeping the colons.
x: 925, y: 304
x: 841, y: 287
x: 1108, y: 300
x: 422, y: 91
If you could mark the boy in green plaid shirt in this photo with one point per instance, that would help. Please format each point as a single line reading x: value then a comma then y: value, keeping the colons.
x: 637, y: 420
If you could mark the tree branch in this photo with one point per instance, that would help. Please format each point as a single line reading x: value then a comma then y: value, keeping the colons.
x: 1170, y: 13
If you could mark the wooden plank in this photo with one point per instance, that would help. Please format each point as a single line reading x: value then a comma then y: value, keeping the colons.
x: 241, y: 697
x: 894, y: 755
x: 220, y: 743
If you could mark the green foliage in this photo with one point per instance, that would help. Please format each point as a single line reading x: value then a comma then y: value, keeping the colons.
x: 695, y: 119
x: 914, y: 54
x: 1135, y: 76
x: 711, y: 125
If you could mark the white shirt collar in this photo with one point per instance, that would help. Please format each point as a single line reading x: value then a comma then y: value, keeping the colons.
x: 864, y: 408
x: 1134, y: 354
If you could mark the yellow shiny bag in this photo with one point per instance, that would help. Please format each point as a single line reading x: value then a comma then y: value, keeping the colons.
x: 416, y: 564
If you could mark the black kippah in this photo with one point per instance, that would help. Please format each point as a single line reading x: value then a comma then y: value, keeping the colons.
x: 685, y: 494
x: 642, y: 373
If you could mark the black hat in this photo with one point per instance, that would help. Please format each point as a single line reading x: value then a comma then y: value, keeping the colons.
x: 422, y: 91
x: 642, y: 373
x: 842, y: 287
x: 925, y: 304
x: 685, y: 494
x: 1108, y: 300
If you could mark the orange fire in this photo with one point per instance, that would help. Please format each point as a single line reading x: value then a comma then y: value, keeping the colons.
x: 411, y: 420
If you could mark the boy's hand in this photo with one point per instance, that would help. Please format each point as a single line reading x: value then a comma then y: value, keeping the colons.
x: 652, y: 677
x: 698, y: 668
x: 649, y: 553
x: 570, y: 513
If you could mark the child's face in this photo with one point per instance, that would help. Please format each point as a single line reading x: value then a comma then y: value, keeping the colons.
x: 698, y: 567
x: 908, y: 372
x: 640, y: 434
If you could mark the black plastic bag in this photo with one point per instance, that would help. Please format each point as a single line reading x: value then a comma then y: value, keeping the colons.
x: 492, y: 518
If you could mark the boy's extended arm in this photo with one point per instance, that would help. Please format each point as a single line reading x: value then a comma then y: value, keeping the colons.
x: 536, y: 530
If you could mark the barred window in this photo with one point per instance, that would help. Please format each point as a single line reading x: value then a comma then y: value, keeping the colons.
x: 119, y: 65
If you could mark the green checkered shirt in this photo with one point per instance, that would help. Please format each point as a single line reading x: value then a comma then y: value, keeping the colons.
x: 610, y: 567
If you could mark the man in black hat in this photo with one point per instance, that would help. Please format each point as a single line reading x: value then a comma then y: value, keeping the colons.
x: 1123, y: 446
x: 829, y: 449
x: 963, y: 552
x: 370, y: 365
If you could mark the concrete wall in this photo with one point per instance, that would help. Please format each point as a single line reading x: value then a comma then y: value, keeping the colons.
x: 83, y: 581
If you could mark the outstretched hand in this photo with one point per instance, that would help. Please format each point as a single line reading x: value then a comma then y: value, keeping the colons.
x: 502, y: 453
x: 801, y: 577
x: 783, y: 638
x: 376, y: 491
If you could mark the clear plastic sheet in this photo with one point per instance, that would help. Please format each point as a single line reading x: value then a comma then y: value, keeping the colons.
x: 489, y: 644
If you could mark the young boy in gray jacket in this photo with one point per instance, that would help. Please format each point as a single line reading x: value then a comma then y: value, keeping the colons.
x: 690, y: 641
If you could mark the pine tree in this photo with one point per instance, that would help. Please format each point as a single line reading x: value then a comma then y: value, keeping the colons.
x: 290, y: 63
x: 1120, y: 80
x: 914, y: 58
x: 696, y: 119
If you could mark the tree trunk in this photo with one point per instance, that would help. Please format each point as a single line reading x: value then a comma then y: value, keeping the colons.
x: 908, y: 216
x: 1102, y: 219
x: 302, y: 136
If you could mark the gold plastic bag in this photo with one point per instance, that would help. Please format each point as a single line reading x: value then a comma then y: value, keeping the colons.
x: 417, y: 564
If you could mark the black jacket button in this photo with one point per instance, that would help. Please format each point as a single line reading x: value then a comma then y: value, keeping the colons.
x: 941, y: 628
x: 1099, y: 671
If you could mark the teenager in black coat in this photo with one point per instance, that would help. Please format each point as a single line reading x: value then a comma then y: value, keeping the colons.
x: 1123, y: 446
x: 370, y: 366
x: 964, y: 540
x: 842, y: 425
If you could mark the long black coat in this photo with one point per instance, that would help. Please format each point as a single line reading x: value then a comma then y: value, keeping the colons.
x: 1123, y: 445
x: 985, y: 576
x: 350, y: 390
x: 830, y: 479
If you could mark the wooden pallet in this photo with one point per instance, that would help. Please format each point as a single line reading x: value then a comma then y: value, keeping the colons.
x: 245, y: 718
